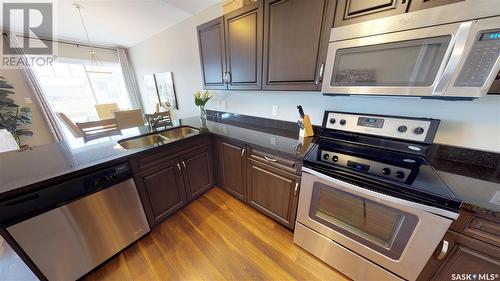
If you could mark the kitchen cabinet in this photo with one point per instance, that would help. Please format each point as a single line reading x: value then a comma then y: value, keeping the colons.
x: 163, y: 189
x: 467, y: 256
x: 197, y: 171
x: 296, y: 35
x: 212, y: 54
x: 232, y: 167
x: 273, y: 192
x: 243, y: 38
x: 353, y: 11
x: 416, y: 5
x: 169, y: 177
x: 473, y: 247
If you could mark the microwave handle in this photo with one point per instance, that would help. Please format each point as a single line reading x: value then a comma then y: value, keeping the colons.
x: 457, y: 48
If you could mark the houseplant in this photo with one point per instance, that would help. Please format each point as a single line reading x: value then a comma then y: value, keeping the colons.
x: 13, y: 118
x: 200, y: 99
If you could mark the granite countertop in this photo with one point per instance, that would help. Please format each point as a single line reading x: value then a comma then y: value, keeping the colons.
x: 24, y: 171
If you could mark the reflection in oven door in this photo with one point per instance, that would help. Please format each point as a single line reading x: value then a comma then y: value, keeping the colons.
x: 395, y: 234
x: 495, y: 87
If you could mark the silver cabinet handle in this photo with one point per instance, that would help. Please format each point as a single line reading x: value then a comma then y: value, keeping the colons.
x: 296, y: 190
x: 228, y: 77
x: 242, y: 152
x: 179, y: 167
x: 270, y: 159
x: 444, y: 250
x: 320, y: 74
x: 184, y: 165
x: 224, y: 78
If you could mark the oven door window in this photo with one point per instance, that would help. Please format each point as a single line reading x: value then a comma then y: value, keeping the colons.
x: 382, y: 228
x: 413, y: 63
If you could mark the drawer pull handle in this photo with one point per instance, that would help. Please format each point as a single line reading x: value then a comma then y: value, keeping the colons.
x: 270, y: 159
x: 184, y: 164
x: 444, y: 250
x: 179, y: 167
x: 296, y: 190
x: 242, y: 152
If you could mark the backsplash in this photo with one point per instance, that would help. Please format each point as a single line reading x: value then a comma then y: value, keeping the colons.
x: 470, y: 124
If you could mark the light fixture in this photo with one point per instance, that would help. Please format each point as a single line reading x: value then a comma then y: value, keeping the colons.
x: 96, y: 64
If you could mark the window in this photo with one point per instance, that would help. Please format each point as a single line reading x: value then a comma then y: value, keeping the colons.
x: 71, y: 87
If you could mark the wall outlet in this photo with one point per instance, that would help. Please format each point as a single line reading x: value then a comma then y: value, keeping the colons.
x: 496, y: 198
x: 273, y: 140
x: 275, y: 110
x: 222, y: 104
x: 28, y: 101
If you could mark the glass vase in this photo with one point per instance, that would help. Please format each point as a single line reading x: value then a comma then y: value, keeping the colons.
x: 203, y: 113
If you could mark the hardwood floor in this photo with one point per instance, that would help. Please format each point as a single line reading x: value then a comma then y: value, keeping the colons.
x: 216, y: 237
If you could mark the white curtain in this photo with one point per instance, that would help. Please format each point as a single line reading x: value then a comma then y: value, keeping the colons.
x: 46, y: 110
x: 129, y: 77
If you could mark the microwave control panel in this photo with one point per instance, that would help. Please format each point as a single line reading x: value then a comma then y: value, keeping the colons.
x: 481, y: 60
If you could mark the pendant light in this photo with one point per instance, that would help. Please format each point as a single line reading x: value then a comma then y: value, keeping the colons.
x: 96, y: 63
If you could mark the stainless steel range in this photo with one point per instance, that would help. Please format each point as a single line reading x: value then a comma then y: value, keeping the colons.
x: 370, y: 205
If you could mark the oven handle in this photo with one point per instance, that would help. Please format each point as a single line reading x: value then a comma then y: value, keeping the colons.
x: 455, y: 53
x: 366, y: 192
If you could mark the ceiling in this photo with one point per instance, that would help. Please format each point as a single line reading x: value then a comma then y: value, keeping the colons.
x: 119, y: 22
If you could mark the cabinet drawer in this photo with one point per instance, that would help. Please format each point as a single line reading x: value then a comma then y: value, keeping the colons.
x: 484, y: 230
x: 280, y: 161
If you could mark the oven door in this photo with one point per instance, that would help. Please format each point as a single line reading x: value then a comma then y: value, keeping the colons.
x: 396, y: 234
x: 413, y: 63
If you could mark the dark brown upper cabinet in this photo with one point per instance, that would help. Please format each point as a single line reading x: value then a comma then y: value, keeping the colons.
x: 416, y: 5
x: 212, y: 54
x: 296, y: 35
x: 353, y: 11
x: 243, y: 38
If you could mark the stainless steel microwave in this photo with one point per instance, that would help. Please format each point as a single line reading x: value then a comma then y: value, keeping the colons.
x: 451, y: 51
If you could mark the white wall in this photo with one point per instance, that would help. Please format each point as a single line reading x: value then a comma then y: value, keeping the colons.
x: 175, y: 49
x: 473, y: 124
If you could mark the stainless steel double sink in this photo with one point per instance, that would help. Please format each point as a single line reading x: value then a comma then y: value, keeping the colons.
x: 158, y: 138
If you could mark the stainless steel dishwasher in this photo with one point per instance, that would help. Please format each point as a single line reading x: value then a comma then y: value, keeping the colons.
x: 70, y: 228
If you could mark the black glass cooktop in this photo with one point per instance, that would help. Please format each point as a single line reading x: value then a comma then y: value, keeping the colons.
x: 403, y: 175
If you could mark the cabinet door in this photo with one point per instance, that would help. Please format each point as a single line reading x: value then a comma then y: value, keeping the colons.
x: 465, y: 256
x: 212, y: 53
x: 353, y: 11
x: 163, y: 189
x: 232, y: 157
x: 296, y: 35
x: 273, y: 191
x: 197, y: 171
x: 416, y: 5
x: 243, y: 30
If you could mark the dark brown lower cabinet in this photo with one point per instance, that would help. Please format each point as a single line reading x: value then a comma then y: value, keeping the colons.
x: 233, y: 169
x: 197, y: 171
x: 163, y: 189
x: 466, y: 256
x: 273, y: 191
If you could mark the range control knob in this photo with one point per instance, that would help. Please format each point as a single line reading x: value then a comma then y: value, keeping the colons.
x: 332, y: 120
x: 326, y: 156
x: 386, y: 171
x: 335, y: 158
x: 342, y: 122
x: 402, y: 128
x: 400, y: 175
x: 418, y: 130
